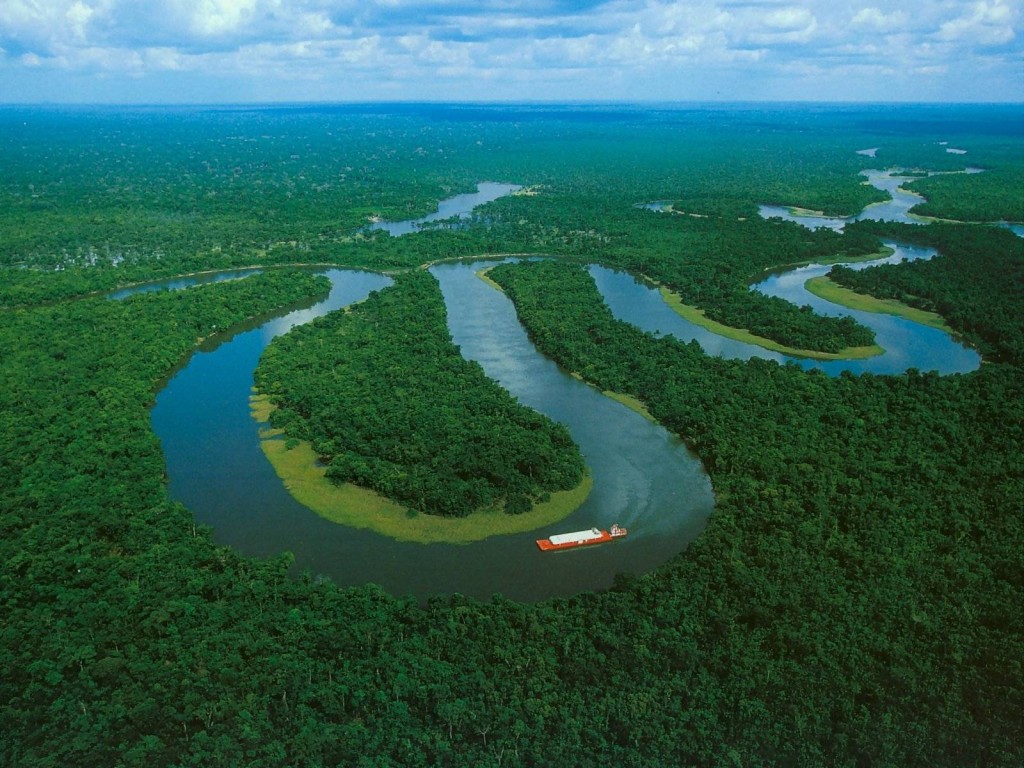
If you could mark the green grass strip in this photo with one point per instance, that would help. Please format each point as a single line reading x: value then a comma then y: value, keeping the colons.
x: 697, y: 317
x: 825, y: 288
x: 633, y: 403
x: 347, y: 504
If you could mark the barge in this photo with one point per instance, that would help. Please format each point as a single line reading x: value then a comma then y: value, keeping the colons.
x: 580, y: 538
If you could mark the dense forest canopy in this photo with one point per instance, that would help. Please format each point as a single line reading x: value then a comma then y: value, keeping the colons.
x: 977, y: 286
x: 851, y: 603
x: 388, y: 403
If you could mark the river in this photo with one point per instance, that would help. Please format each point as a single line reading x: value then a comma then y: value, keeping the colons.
x: 644, y: 477
x: 907, y: 344
x: 896, y: 208
x: 457, y: 207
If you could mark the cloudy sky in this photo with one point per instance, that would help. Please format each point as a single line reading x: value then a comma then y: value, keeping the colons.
x: 189, y: 51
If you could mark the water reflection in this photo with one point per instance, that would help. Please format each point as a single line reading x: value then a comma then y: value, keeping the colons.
x: 895, y: 209
x: 644, y: 477
x: 633, y: 301
x: 179, y: 283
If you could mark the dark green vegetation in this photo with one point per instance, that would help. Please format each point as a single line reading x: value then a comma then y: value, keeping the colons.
x: 703, y: 259
x: 990, y: 196
x: 854, y: 601
x: 109, y: 198
x: 873, y: 489
x: 977, y: 286
x: 388, y: 402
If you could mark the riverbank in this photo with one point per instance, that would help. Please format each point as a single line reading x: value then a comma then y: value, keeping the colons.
x: 631, y: 402
x: 697, y: 317
x: 295, y: 463
x: 883, y: 253
x: 825, y: 288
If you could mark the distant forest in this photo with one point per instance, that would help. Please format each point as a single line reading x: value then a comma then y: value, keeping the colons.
x: 854, y: 600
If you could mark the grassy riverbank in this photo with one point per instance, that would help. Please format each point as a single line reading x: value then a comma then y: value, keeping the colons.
x: 295, y: 462
x: 824, y: 288
x: 482, y: 274
x: 697, y: 317
x: 631, y: 402
x: 882, y: 253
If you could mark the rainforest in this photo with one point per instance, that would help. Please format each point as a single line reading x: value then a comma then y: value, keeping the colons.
x: 832, y: 572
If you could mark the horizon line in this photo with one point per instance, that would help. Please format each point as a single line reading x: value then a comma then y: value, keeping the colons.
x: 511, y: 102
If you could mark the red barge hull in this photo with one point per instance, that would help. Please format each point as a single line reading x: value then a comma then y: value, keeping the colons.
x: 580, y: 539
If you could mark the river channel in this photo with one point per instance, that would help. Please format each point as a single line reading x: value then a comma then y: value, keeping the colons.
x: 896, y: 208
x: 644, y: 477
x: 907, y: 344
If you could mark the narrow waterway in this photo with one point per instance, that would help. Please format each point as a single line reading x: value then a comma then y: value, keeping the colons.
x: 180, y: 283
x: 457, y: 207
x: 896, y: 208
x: 907, y: 344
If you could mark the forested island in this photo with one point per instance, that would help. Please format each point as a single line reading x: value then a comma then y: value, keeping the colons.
x: 853, y: 600
x: 389, y: 404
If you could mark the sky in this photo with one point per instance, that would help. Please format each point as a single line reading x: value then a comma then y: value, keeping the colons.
x: 229, y: 51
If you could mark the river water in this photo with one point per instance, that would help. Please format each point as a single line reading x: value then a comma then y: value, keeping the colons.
x: 457, y: 207
x: 186, y: 281
x: 644, y: 477
x: 907, y: 344
x: 897, y: 208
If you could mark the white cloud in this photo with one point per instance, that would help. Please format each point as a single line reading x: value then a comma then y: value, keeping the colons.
x: 771, y: 25
x: 433, y: 52
x: 78, y: 16
x: 985, y: 24
x: 217, y: 17
x: 877, y: 19
x: 788, y: 19
x: 37, y: 23
x: 164, y: 59
x: 435, y: 46
x: 313, y: 24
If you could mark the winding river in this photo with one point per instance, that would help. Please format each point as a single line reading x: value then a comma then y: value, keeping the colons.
x: 644, y: 477
x: 896, y: 208
x: 457, y: 207
x: 907, y: 344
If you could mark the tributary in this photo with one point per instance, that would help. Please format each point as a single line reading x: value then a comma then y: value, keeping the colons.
x: 907, y: 344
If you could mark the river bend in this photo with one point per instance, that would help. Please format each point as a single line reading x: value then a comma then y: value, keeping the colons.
x: 644, y: 477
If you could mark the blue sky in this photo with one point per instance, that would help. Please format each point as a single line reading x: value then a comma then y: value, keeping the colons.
x: 189, y: 51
